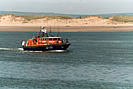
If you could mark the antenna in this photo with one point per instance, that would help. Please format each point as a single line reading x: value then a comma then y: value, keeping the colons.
x: 50, y: 28
x: 40, y: 30
x: 58, y: 34
x: 50, y: 32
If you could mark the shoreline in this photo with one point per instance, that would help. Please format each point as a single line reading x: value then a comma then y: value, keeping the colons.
x: 69, y: 28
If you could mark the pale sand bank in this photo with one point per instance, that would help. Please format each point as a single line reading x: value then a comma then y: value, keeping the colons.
x: 70, y: 29
x: 85, y: 24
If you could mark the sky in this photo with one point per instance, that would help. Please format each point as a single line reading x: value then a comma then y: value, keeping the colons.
x: 68, y: 6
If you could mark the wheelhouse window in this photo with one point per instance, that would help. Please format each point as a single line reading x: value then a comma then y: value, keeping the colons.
x: 43, y: 38
x: 59, y: 38
x: 50, y: 38
x: 55, y: 39
x: 46, y: 39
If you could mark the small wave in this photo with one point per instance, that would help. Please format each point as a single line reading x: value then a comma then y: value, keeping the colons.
x: 57, y: 51
x: 11, y: 49
x: 33, y: 51
x: 21, y: 49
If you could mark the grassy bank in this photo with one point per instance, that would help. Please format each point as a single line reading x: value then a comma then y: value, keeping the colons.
x: 113, y: 18
x: 122, y: 18
x: 31, y: 17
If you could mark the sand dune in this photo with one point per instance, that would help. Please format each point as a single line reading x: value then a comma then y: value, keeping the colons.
x: 86, y: 23
x: 12, y: 20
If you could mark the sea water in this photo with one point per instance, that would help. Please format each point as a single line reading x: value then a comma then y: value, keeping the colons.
x: 95, y: 60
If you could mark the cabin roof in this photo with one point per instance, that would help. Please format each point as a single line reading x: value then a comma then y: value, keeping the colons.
x: 50, y: 37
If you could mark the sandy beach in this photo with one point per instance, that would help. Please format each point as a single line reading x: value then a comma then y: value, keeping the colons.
x: 70, y: 29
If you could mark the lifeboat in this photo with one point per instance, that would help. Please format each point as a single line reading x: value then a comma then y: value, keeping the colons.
x: 44, y: 41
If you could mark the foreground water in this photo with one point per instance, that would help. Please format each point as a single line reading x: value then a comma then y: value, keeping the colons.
x: 93, y: 61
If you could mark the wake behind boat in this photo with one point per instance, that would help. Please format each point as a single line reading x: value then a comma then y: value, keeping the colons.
x: 44, y: 41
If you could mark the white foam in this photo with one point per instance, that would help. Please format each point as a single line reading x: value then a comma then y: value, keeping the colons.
x: 5, y: 48
x: 58, y: 51
x: 8, y: 49
x: 21, y: 49
x: 34, y: 51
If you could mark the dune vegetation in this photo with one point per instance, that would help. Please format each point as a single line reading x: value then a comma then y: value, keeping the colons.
x: 113, y: 18
x: 31, y: 17
x: 122, y: 18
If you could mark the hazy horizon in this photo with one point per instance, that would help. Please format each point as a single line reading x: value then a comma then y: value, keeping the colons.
x: 65, y: 13
x: 68, y: 6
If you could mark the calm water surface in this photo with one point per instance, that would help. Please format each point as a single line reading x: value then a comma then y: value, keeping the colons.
x: 94, y: 61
